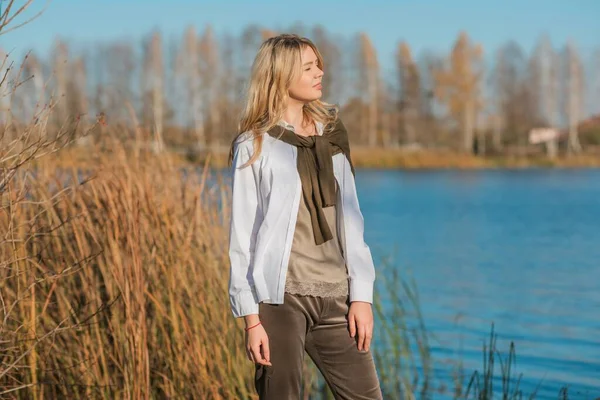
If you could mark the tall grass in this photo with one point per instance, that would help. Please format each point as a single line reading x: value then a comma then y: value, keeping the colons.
x: 481, y: 385
x: 114, y: 285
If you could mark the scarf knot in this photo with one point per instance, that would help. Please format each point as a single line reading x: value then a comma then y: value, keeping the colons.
x: 315, y: 167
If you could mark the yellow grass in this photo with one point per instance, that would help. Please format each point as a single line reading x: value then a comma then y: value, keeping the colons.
x: 117, y: 287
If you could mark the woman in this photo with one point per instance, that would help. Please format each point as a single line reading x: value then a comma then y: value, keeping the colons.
x: 301, y: 274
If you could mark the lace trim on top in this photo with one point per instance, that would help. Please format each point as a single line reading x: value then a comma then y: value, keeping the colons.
x: 317, y: 289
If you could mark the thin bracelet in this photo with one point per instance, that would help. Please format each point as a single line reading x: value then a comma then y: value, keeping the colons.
x: 247, y: 329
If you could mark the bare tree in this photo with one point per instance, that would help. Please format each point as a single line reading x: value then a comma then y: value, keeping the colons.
x: 333, y: 74
x: 77, y: 88
x: 230, y: 85
x: 512, y: 96
x: 409, y: 96
x: 250, y: 40
x: 34, y: 88
x: 188, y: 72
x: 544, y: 84
x: 595, y: 95
x: 153, y: 87
x: 209, y: 75
x: 60, y: 65
x: 574, y: 94
x: 120, y: 67
x: 368, y: 85
x: 428, y: 65
x: 9, y: 10
x: 5, y: 117
x: 385, y: 113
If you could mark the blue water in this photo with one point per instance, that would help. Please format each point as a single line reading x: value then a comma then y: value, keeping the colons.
x: 520, y: 249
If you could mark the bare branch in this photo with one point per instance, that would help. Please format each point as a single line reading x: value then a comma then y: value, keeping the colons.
x: 6, y: 17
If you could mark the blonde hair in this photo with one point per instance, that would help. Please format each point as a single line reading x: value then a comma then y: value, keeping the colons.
x: 276, y: 66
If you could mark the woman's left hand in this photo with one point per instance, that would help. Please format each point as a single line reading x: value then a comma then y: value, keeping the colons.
x: 360, y: 319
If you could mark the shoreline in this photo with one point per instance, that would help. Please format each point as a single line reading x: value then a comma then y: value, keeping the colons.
x: 397, y: 159
x: 380, y: 159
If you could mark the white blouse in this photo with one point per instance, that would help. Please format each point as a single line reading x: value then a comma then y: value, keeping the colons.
x: 265, y: 200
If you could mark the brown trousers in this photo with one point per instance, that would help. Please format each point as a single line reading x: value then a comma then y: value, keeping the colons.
x: 319, y: 326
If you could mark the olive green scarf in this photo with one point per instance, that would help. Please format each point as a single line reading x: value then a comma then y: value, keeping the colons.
x: 315, y: 167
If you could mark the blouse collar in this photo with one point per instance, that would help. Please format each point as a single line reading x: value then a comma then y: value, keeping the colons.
x: 289, y: 126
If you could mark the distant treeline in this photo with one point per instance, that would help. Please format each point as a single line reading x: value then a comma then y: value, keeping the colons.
x: 187, y: 91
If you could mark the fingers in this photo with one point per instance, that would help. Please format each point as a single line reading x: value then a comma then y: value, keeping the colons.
x: 364, y: 330
x: 361, y: 336
x: 261, y: 353
x: 249, y: 354
x: 257, y: 347
x: 352, y: 325
x: 266, y: 352
x: 258, y: 358
x: 368, y: 336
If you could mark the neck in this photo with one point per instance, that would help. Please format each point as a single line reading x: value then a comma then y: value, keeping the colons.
x: 293, y: 113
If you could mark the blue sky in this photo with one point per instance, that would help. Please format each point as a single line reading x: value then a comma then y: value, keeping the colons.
x: 424, y: 24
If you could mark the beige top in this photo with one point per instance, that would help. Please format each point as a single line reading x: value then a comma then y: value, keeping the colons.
x: 316, y: 270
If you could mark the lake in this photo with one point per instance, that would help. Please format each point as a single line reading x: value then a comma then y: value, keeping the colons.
x: 517, y: 248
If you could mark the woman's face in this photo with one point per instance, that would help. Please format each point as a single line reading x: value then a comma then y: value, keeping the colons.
x: 308, y: 86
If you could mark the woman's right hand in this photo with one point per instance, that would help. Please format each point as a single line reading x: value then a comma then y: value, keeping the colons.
x: 257, y: 346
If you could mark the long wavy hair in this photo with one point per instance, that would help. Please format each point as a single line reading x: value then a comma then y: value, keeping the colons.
x: 276, y: 66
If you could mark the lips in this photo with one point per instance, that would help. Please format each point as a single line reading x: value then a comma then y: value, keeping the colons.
x: 318, y: 86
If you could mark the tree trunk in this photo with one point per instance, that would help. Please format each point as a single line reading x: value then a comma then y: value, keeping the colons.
x: 468, y: 126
